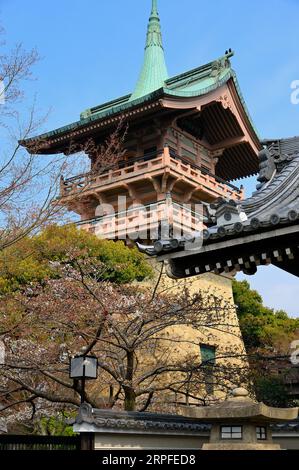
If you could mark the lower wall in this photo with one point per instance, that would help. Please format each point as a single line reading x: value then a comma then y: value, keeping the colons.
x: 287, y: 442
x: 119, y: 441
x: 148, y: 442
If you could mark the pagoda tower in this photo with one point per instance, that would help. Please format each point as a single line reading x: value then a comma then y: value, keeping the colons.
x: 188, y: 137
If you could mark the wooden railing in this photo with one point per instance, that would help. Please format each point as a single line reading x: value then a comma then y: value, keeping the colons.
x: 143, y: 165
x: 140, y: 221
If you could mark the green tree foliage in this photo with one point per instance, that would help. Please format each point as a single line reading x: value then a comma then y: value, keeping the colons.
x: 271, y: 390
x: 267, y: 336
x: 261, y: 326
x: 32, y: 259
x: 54, y: 425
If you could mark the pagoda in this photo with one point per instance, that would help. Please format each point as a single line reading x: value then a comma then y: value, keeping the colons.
x: 188, y: 137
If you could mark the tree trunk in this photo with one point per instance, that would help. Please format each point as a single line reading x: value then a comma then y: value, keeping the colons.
x: 130, y: 395
x: 130, y: 399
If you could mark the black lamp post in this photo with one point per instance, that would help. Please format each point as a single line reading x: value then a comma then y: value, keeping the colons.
x: 83, y: 368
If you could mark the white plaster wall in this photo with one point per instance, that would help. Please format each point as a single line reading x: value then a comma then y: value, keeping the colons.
x: 147, y: 442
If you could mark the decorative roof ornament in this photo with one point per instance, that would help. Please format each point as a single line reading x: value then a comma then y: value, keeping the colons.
x: 274, y: 157
x: 154, y: 71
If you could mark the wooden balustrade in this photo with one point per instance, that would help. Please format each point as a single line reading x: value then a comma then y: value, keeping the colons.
x: 162, y: 162
x: 142, y: 220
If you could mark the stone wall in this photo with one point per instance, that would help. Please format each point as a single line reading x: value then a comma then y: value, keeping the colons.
x: 226, y: 339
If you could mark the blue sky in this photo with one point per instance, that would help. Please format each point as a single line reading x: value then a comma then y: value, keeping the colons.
x: 92, y: 52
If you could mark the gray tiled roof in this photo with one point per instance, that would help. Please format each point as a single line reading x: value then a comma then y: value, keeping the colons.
x: 136, y: 421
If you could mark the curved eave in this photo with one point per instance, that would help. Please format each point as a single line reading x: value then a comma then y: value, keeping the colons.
x: 56, y: 140
x: 230, y: 74
x: 46, y: 143
x: 200, y: 91
x: 236, y: 82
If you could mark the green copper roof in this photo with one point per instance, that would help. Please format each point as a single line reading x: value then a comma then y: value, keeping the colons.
x: 154, y: 83
x: 196, y: 82
x: 154, y: 71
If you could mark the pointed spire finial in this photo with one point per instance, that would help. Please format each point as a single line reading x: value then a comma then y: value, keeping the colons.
x: 154, y: 8
x: 154, y: 70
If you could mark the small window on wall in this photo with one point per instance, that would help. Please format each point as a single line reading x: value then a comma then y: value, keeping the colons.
x: 261, y: 433
x: 208, y: 354
x: 231, y: 432
x: 208, y: 359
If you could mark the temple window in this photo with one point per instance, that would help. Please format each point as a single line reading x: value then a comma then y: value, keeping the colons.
x: 261, y: 433
x: 208, y: 354
x: 208, y: 359
x: 231, y: 432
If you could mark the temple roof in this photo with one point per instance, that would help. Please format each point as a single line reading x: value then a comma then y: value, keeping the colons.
x: 189, y: 421
x: 194, y: 83
x: 136, y: 422
x: 152, y: 87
